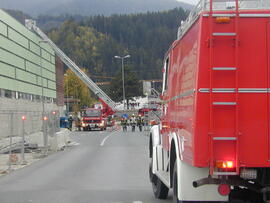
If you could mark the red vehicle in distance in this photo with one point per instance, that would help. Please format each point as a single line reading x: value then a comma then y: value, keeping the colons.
x: 92, y: 119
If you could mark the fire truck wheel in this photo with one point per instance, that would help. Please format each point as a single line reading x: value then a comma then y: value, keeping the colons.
x: 151, y: 175
x: 159, y: 188
x: 175, y: 185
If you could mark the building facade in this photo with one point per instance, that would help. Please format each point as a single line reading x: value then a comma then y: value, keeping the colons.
x: 27, y: 78
x: 27, y: 64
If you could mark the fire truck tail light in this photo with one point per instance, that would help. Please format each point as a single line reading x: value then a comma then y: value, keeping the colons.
x: 225, y: 164
x: 223, y: 19
x: 229, y: 164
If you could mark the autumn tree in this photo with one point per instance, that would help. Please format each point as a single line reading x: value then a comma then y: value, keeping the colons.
x: 75, y: 88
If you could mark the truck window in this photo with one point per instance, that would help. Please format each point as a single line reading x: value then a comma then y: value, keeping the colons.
x: 92, y: 113
x: 165, y: 75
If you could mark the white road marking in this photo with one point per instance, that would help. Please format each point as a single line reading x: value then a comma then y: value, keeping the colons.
x: 137, y: 202
x: 104, y: 140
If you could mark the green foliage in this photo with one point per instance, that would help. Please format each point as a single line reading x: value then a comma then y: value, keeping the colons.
x: 94, y: 42
x: 132, y: 85
x: 76, y: 89
x: 87, y: 47
x: 146, y: 37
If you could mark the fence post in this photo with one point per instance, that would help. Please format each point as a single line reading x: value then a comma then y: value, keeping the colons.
x: 54, y: 122
x: 10, y: 142
x: 23, y: 140
x: 45, y: 133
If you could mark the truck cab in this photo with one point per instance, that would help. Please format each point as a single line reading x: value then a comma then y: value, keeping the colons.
x: 92, y: 119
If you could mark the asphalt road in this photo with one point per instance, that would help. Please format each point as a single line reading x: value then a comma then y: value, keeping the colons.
x: 107, y: 167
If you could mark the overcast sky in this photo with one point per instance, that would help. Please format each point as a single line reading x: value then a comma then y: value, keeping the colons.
x: 189, y: 1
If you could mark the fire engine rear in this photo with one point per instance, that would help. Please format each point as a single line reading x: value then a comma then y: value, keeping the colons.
x: 213, y: 141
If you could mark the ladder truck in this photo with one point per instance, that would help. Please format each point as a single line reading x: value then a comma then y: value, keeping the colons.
x: 213, y: 141
x: 107, y: 102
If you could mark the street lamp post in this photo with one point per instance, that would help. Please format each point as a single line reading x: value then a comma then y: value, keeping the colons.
x: 123, y: 76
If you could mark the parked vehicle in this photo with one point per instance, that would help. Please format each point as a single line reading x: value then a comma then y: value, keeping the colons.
x: 214, y: 130
x: 142, y: 111
x: 92, y: 119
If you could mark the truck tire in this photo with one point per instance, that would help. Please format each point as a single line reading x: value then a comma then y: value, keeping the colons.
x: 159, y: 188
x: 175, y: 184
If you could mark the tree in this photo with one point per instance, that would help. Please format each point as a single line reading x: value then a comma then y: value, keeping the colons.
x: 75, y: 88
x: 93, y: 42
x: 87, y: 47
x: 133, y: 88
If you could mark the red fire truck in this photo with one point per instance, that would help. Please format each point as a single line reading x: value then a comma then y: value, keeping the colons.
x: 92, y: 119
x: 213, y: 143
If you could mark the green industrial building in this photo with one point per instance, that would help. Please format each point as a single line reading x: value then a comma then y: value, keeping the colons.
x: 27, y: 64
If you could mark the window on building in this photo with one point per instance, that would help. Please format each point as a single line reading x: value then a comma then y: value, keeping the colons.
x: 13, y: 94
x: 8, y: 94
x: 2, y: 93
x: 38, y: 98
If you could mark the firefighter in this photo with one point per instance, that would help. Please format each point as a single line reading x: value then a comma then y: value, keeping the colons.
x: 140, y: 122
x: 79, y: 123
x: 70, y: 121
x: 124, y: 124
x: 133, y: 122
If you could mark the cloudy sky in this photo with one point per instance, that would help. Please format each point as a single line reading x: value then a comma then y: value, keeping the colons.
x: 189, y: 1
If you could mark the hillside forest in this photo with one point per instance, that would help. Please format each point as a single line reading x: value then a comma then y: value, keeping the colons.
x: 92, y: 42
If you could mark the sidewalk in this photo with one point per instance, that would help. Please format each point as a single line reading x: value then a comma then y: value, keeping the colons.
x: 60, y: 141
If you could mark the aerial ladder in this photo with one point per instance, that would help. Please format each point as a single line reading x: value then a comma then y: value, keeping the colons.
x: 104, y: 98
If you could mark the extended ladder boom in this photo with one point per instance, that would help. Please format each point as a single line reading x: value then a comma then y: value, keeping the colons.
x: 31, y: 25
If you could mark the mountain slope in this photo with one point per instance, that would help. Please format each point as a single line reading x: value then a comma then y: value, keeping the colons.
x: 146, y: 37
x: 91, y: 7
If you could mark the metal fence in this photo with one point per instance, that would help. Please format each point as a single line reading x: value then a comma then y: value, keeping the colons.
x: 20, y: 129
x: 13, y: 122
